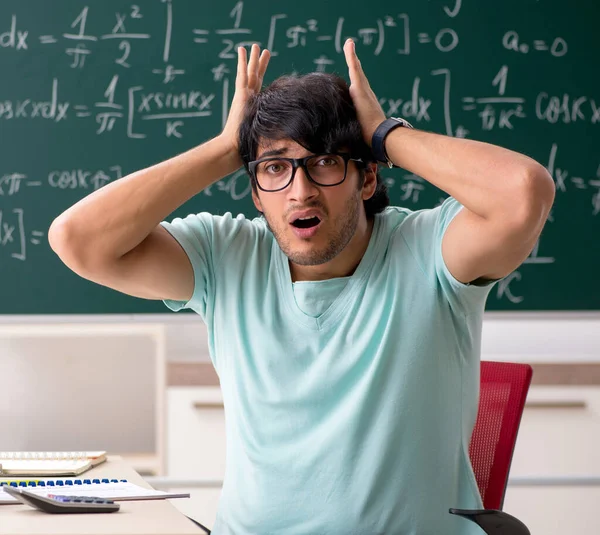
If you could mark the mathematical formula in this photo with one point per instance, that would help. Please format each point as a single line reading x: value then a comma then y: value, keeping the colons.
x: 14, y: 235
x: 156, y: 106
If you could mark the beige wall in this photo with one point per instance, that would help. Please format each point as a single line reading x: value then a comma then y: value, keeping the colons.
x: 99, y: 391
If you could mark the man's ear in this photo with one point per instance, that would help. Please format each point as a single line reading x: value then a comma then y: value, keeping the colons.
x: 256, y: 200
x: 370, y: 183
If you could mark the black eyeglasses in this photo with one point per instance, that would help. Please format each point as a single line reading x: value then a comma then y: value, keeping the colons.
x: 275, y: 174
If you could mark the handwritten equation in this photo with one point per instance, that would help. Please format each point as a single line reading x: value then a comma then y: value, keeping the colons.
x: 162, y: 73
x: 391, y: 32
x: 12, y: 184
x: 15, y: 237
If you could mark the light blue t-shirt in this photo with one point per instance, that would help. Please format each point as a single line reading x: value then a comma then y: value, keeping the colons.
x: 349, y: 403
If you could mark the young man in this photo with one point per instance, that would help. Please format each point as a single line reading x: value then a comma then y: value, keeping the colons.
x: 346, y: 335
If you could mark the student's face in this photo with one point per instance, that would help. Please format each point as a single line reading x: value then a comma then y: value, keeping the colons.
x: 338, y: 209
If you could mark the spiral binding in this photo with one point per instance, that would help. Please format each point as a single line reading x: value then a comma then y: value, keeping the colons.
x: 58, y: 482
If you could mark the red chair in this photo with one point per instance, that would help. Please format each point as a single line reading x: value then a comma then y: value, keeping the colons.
x: 503, y: 390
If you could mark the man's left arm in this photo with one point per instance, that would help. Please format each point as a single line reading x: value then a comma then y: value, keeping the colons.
x: 506, y: 196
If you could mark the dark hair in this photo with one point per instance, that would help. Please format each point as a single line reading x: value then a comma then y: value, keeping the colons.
x: 316, y: 111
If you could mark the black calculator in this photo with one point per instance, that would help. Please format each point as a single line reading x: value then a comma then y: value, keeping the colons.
x: 54, y: 503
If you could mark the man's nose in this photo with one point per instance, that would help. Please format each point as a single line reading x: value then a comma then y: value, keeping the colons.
x: 302, y: 187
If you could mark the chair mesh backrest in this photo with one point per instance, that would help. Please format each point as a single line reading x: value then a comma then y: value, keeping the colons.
x: 502, y: 394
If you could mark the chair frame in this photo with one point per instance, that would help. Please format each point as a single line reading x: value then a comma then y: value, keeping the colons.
x: 493, y: 520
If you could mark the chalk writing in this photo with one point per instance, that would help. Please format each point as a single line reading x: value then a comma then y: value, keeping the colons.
x: 103, y: 90
x: 14, y: 237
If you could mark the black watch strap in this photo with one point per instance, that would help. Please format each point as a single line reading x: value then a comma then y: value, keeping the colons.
x: 378, y: 139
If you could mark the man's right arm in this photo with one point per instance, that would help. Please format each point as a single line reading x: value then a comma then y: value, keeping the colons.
x: 113, y: 236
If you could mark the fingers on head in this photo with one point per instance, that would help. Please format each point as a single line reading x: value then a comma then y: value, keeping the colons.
x: 263, y: 62
x: 254, y: 50
x: 251, y: 68
x: 350, y: 49
x: 242, y: 68
x: 351, y: 58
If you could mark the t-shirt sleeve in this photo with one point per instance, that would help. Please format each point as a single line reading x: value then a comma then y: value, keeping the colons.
x: 424, y: 235
x: 205, y: 239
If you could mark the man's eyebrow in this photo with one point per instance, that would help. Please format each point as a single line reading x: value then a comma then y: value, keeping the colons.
x: 276, y: 152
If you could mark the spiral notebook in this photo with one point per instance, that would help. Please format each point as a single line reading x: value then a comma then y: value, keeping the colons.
x: 111, y: 489
x: 48, y: 463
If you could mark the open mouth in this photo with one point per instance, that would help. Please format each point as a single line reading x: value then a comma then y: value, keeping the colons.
x: 307, y: 222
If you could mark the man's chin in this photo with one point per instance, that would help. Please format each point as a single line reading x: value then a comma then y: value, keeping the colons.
x: 311, y: 257
x: 314, y: 251
x: 303, y: 260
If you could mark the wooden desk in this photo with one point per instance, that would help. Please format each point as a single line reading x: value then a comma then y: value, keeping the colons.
x: 150, y: 517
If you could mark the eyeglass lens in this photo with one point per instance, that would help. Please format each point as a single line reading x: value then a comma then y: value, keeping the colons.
x: 324, y: 169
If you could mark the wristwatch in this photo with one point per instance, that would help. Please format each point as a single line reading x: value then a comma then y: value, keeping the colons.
x: 378, y: 139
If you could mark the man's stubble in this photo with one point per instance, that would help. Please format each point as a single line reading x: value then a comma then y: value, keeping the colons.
x: 344, y: 228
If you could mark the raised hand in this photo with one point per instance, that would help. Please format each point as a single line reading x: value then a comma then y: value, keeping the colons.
x: 248, y: 81
x: 368, y: 110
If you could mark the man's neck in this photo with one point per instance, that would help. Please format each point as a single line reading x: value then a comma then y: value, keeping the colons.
x: 344, y: 264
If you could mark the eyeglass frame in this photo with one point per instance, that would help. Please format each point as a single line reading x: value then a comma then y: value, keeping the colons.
x: 301, y: 162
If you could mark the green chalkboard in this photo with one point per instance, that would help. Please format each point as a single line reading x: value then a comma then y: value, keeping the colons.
x: 92, y: 91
